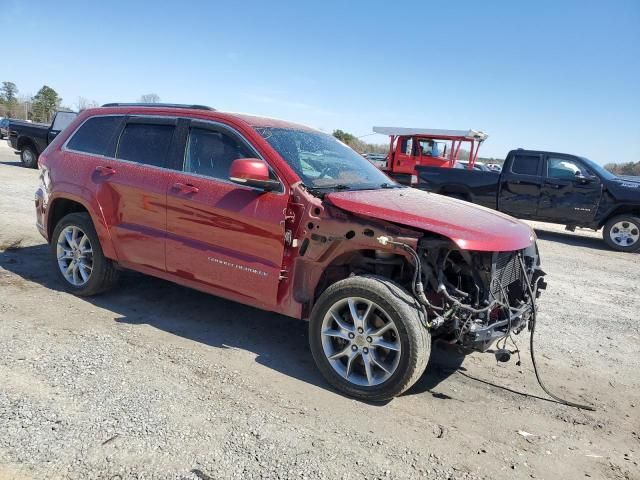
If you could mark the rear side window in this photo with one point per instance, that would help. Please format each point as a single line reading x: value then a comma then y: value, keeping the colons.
x: 525, y: 164
x: 211, y: 153
x: 95, y: 135
x: 145, y: 143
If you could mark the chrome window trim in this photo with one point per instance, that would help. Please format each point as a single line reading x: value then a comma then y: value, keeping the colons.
x: 65, y: 148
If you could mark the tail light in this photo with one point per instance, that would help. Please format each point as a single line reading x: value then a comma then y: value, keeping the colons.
x: 45, y: 176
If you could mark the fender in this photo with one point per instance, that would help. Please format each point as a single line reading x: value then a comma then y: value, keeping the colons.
x: 82, y: 196
x: 325, y: 234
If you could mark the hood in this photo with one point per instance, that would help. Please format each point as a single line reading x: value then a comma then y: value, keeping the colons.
x: 625, y: 190
x: 628, y: 182
x: 470, y: 226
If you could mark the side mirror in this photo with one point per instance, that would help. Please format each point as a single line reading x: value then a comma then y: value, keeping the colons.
x: 252, y: 172
x: 584, y: 179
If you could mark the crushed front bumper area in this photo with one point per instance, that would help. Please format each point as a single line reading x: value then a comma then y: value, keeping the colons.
x: 481, y: 336
x: 477, y: 298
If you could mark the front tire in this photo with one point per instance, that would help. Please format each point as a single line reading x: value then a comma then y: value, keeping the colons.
x: 78, y: 257
x: 622, y: 233
x: 29, y: 157
x: 368, y: 339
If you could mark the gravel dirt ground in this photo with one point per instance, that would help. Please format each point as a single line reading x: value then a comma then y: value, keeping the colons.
x: 153, y: 380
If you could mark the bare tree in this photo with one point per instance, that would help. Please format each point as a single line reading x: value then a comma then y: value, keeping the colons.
x: 150, y: 98
x: 24, y: 111
x: 84, y: 104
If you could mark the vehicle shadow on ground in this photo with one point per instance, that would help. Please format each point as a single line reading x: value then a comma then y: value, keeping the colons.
x: 444, y: 361
x: 279, y: 342
x: 572, y: 239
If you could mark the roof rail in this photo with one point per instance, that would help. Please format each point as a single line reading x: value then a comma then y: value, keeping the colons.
x: 160, y: 105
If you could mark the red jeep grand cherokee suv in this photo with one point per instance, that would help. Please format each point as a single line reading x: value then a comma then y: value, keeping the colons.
x: 288, y: 219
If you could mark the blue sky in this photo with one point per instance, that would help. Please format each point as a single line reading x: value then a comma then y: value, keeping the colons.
x: 556, y: 75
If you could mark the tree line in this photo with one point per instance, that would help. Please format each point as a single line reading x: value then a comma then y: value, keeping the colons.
x: 357, y: 144
x: 629, y: 169
x: 38, y: 108
x: 42, y: 106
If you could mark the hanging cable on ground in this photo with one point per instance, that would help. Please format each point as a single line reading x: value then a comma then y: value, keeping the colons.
x: 533, y: 357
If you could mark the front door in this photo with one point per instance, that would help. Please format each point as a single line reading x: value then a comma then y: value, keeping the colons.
x: 221, y: 234
x: 570, y: 193
x: 405, y: 158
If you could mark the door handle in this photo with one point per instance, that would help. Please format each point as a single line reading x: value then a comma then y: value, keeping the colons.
x: 105, y: 170
x: 554, y: 185
x: 185, y: 187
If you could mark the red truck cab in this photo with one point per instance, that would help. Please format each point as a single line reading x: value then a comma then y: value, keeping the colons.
x: 411, y: 147
x: 288, y: 219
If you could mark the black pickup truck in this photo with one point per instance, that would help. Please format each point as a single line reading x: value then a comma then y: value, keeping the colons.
x: 30, y: 139
x: 549, y: 187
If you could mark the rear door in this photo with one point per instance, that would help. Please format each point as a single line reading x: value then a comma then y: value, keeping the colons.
x: 220, y: 234
x: 520, y: 185
x: 135, y: 184
x: 125, y: 158
x: 571, y: 192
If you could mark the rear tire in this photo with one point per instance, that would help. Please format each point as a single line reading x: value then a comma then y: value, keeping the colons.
x: 29, y: 157
x: 622, y: 233
x: 78, y: 257
x: 381, y: 353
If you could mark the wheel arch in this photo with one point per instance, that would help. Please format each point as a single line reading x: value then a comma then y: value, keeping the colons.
x: 61, y: 206
x: 633, y: 210
x: 26, y: 142
x: 314, y: 279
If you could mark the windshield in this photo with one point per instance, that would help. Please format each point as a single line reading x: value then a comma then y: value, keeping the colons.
x: 599, y: 169
x: 323, y: 162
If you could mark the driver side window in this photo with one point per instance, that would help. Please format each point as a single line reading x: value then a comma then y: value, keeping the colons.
x: 406, y: 146
x: 565, y: 169
x: 210, y: 153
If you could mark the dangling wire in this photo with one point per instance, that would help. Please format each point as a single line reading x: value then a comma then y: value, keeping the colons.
x: 533, y: 357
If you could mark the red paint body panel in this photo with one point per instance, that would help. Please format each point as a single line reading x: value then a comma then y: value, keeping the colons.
x: 472, y: 227
x: 133, y: 201
x: 229, y: 239
x: 226, y: 236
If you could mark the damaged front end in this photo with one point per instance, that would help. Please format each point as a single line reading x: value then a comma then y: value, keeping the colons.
x: 474, y: 298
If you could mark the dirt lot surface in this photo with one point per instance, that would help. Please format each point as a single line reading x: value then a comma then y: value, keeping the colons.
x: 153, y: 380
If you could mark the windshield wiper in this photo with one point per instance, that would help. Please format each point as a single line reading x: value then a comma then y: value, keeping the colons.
x: 389, y: 185
x: 321, y: 191
x: 338, y: 186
